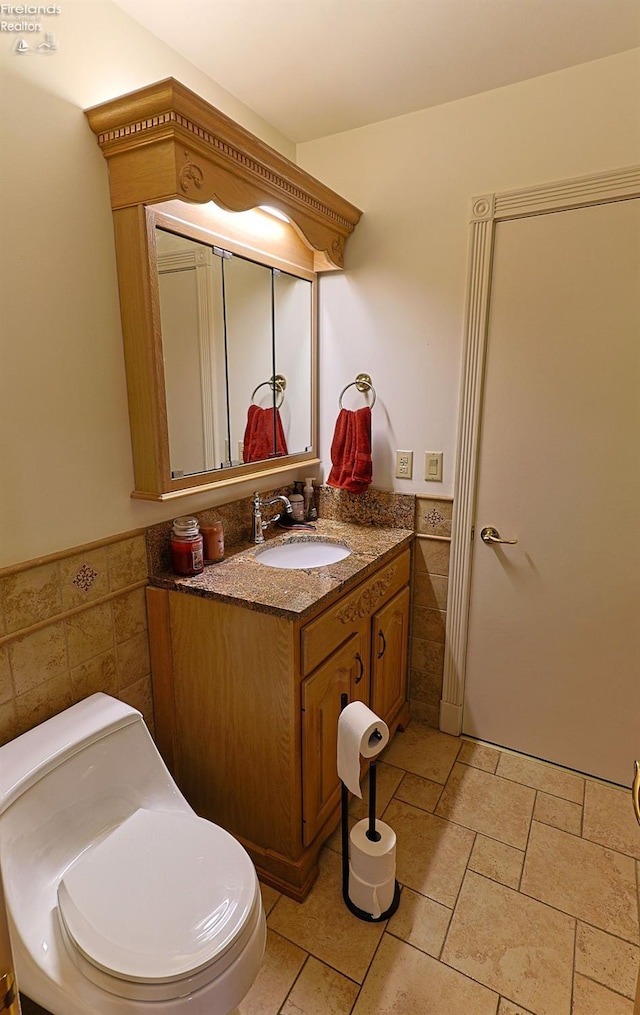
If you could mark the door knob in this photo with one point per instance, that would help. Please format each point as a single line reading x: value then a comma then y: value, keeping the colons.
x: 491, y: 535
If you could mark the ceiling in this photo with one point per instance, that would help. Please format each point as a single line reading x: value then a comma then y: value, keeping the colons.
x: 318, y: 67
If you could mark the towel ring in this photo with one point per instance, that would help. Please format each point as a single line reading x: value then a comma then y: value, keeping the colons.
x: 277, y: 383
x: 362, y: 383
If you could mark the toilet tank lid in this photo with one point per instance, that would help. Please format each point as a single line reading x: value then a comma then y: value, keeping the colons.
x: 32, y: 755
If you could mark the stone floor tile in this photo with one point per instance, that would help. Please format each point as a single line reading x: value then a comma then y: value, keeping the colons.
x: 423, y: 751
x: 420, y: 922
x: 539, y: 775
x: 609, y: 818
x: 508, y: 1008
x: 419, y: 792
x: 594, y: 884
x: 323, y: 925
x: 516, y: 946
x: 497, y: 861
x: 320, y: 990
x: 496, y: 807
x: 591, y: 998
x: 269, y: 897
x: 432, y: 854
x: 606, y: 959
x: 282, y: 963
x: 405, y: 981
x: 479, y: 756
x: 553, y: 810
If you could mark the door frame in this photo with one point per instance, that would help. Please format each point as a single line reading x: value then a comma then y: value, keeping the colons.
x: 486, y: 212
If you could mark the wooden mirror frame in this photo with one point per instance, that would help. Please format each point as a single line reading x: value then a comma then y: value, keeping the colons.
x: 164, y: 143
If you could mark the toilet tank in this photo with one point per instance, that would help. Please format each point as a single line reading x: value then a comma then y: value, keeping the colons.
x: 72, y: 779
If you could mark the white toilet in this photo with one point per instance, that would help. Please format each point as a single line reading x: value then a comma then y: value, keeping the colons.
x: 120, y: 899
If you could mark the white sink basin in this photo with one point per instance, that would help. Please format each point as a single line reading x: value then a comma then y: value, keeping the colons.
x: 303, y: 553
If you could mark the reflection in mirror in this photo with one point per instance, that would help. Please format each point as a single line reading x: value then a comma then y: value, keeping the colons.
x: 229, y: 326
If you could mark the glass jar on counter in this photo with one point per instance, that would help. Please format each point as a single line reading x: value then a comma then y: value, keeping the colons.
x: 213, y: 534
x: 187, y: 544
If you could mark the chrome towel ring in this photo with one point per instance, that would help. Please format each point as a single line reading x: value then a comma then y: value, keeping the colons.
x: 363, y: 383
x: 277, y: 383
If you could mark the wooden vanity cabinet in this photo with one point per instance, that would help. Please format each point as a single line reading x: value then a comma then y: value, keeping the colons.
x: 247, y: 703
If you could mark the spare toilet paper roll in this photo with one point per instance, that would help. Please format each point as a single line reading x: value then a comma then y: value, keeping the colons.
x: 372, y: 868
x: 373, y: 862
x: 360, y: 732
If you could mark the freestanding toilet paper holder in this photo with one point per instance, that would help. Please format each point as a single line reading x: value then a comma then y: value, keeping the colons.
x: 371, y: 834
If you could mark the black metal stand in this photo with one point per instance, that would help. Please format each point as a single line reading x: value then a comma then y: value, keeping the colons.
x: 372, y: 834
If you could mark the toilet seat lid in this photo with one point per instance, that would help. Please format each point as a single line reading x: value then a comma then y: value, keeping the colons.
x: 161, y: 897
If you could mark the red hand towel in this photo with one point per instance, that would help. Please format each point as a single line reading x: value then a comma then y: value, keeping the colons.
x: 351, y: 451
x: 258, y: 441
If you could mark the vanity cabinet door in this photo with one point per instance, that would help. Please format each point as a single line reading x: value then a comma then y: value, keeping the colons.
x: 389, y: 657
x: 346, y: 671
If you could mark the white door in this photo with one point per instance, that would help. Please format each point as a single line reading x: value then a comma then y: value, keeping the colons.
x: 553, y: 651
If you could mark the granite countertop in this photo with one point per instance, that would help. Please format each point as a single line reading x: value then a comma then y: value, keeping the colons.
x: 240, y: 578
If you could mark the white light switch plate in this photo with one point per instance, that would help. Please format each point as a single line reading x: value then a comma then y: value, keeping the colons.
x: 433, y: 466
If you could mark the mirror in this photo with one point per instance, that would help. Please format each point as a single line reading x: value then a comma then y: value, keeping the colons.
x: 237, y: 347
x: 236, y: 342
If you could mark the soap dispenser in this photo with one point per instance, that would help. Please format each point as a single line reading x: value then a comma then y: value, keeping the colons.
x: 310, y: 512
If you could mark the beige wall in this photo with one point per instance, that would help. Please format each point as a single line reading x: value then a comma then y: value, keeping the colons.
x: 65, y: 457
x: 397, y: 312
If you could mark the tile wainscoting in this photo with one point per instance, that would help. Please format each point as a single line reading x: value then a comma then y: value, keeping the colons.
x: 74, y: 622
x: 71, y: 624
x: 429, y: 606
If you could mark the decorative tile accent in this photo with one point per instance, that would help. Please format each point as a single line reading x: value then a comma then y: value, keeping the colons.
x: 85, y: 578
x: 433, y: 516
x: 434, y: 519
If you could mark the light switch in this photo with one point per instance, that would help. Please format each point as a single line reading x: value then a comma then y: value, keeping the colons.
x: 433, y: 466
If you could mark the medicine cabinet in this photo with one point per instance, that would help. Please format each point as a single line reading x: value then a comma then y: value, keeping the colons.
x: 217, y: 294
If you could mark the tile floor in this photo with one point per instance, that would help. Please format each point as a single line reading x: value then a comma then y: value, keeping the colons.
x: 519, y: 897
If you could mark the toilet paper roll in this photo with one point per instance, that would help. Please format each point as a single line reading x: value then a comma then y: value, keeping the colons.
x: 373, y: 862
x: 360, y: 733
x: 372, y: 899
x: 372, y: 868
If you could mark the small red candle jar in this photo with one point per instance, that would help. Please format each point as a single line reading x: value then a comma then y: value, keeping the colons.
x: 187, y: 555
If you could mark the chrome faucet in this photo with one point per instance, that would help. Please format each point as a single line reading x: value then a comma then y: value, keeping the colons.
x: 258, y: 524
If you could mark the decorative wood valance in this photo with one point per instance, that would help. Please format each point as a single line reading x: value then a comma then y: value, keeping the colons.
x: 164, y: 142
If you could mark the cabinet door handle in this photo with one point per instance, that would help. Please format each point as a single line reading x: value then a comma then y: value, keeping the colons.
x: 361, y: 673
x: 384, y: 644
x: 636, y: 792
